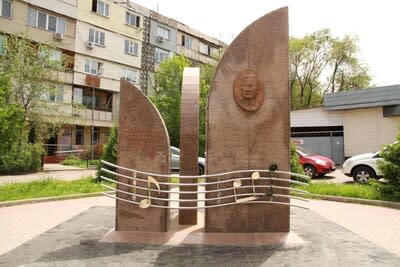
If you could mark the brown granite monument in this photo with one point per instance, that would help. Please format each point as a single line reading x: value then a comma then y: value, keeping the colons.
x: 189, y: 141
x: 248, y: 124
x: 143, y: 144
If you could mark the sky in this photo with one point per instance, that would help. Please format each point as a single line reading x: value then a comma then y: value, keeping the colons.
x: 375, y: 22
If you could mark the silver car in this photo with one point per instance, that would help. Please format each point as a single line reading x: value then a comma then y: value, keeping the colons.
x: 175, y: 156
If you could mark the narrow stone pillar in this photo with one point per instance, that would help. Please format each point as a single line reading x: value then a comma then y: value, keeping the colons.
x: 189, y: 140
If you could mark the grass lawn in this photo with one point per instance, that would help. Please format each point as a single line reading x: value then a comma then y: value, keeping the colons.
x: 77, y: 162
x: 49, y: 188
x: 364, y: 191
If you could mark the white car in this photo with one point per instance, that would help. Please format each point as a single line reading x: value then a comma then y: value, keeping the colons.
x: 175, y: 157
x: 362, y: 167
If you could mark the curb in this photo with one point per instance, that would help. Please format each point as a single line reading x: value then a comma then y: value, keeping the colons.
x: 47, y: 199
x: 381, y: 203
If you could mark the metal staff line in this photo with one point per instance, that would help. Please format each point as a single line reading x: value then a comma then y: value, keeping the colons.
x: 203, y: 176
x: 207, y: 207
x: 209, y: 191
x: 205, y: 183
x: 206, y: 199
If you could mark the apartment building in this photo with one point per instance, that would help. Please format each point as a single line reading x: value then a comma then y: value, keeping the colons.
x: 108, y: 40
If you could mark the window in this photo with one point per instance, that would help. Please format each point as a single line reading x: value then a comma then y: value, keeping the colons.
x: 160, y: 55
x: 95, y: 135
x: 131, y: 47
x: 79, y: 135
x: 3, y: 45
x: 130, y: 75
x: 203, y: 48
x: 77, y: 97
x: 93, y: 67
x: 5, y: 8
x: 100, y: 7
x: 162, y: 32
x: 132, y: 19
x: 187, y: 41
x: 45, y: 21
x: 96, y: 37
x: 55, y: 93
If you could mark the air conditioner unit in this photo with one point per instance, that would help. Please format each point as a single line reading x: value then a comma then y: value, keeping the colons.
x: 89, y: 44
x: 58, y: 36
x: 160, y: 39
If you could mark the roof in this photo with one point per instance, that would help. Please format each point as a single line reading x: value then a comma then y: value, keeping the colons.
x: 363, y: 98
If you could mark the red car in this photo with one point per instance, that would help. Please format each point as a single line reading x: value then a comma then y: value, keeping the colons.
x: 314, y: 165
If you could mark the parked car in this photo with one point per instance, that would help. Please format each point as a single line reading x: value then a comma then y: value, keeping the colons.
x: 362, y: 167
x: 175, y: 157
x: 314, y: 165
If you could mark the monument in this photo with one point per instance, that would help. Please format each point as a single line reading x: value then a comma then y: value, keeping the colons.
x: 143, y: 144
x: 189, y: 141
x: 248, y: 124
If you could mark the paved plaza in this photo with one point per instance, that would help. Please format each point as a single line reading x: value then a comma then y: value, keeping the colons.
x: 66, y: 233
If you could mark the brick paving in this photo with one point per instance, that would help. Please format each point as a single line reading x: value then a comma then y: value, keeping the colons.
x: 75, y: 243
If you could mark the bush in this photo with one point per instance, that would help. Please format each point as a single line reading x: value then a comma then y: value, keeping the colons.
x: 295, y: 165
x: 110, y: 152
x: 22, y: 158
x: 390, y: 168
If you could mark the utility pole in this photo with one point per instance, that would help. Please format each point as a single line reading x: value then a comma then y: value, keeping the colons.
x: 92, y: 131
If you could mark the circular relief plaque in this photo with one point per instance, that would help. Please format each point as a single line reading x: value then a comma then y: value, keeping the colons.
x: 248, y: 90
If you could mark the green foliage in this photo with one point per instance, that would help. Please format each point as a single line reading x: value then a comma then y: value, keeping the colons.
x: 16, y: 154
x: 23, y: 157
x: 321, y: 63
x: 49, y: 188
x: 78, y: 162
x: 295, y: 165
x: 167, y: 97
x: 390, y: 167
x: 35, y: 75
x: 110, y: 151
x: 364, y: 191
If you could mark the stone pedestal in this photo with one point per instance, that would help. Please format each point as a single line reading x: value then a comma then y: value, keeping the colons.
x: 143, y: 144
x: 248, y: 122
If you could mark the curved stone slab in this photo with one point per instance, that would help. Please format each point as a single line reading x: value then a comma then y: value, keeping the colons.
x: 189, y: 139
x: 143, y: 144
x: 248, y: 121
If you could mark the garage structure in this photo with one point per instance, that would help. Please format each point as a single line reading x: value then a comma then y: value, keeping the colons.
x: 349, y: 123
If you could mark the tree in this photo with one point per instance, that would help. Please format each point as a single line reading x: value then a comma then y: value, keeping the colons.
x: 34, y: 71
x: 168, y: 96
x: 390, y: 167
x: 321, y: 63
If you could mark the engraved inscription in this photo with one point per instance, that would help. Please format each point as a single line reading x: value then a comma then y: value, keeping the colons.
x: 248, y: 90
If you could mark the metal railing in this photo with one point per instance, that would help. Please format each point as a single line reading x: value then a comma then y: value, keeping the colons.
x: 256, y: 186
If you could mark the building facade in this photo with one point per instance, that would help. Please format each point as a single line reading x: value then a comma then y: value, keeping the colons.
x: 107, y: 40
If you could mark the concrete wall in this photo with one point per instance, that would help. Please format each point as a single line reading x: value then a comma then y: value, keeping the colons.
x: 110, y: 76
x: 315, y: 117
x: 170, y: 44
x: 115, y: 21
x: 113, y: 49
x: 366, y: 130
x: 65, y: 7
x: 19, y: 24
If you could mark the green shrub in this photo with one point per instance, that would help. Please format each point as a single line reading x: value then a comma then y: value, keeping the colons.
x: 295, y: 165
x: 110, y: 152
x: 390, y: 168
x: 22, y: 158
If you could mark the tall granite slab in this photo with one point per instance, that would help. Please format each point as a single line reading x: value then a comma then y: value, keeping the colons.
x: 189, y: 140
x: 248, y: 123
x: 143, y: 144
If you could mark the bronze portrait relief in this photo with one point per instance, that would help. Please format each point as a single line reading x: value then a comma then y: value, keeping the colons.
x: 248, y: 90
